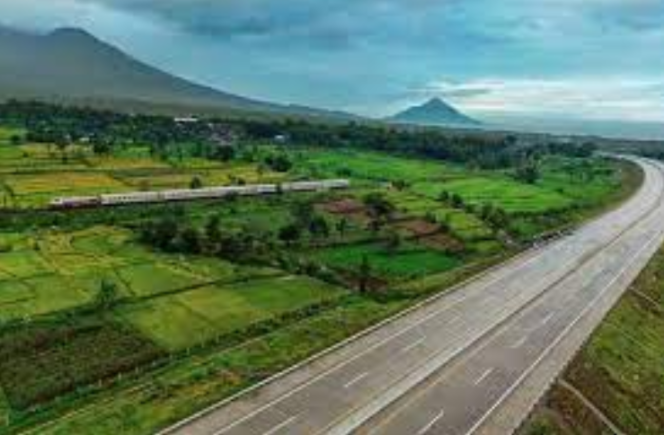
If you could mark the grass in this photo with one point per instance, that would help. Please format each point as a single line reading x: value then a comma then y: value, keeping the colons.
x: 194, y: 317
x: 59, y: 271
x: 369, y: 165
x: 511, y: 196
x: 407, y: 262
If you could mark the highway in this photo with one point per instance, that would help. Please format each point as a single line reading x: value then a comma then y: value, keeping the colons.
x: 474, y: 360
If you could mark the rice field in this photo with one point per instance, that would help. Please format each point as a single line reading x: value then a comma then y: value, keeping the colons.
x: 407, y: 262
x: 31, y: 175
x: 62, y: 271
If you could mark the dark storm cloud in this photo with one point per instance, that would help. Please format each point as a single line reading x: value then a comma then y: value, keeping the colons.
x: 372, y: 55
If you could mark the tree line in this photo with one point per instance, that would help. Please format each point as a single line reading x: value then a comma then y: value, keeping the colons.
x: 106, y: 130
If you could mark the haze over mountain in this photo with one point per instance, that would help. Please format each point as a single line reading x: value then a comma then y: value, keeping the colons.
x: 434, y: 112
x: 72, y: 64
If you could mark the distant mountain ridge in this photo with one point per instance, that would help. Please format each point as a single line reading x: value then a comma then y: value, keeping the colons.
x: 434, y: 112
x: 71, y: 64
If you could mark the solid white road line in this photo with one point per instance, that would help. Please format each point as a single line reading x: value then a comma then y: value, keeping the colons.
x: 278, y: 427
x: 356, y: 379
x: 485, y: 375
x: 482, y: 286
x: 563, y: 334
x: 429, y: 425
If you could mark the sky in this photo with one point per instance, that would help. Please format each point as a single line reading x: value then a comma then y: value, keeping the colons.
x: 590, y: 60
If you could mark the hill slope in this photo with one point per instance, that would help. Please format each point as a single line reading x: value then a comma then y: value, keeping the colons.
x: 434, y: 112
x: 71, y: 64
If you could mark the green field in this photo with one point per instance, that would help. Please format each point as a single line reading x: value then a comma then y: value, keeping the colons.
x: 33, y: 174
x: 407, y: 262
x: 192, y: 317
x: 370, y: 166
x: 507, y: 194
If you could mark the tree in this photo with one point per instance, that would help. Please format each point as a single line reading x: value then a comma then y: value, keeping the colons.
x: 486, y: 211
x: 303, y: 213
x: 212, y: 231
x: 342, y: 226
x: 290, y: 234
x: 62, y: 142
x: 319, y: 227
x: 498, y: 219
x: 224, y: 153
x: 528, y: 172
x: 233, y: 246
x: 279, y: 163
x: 399, y: 184
x: 196, y: 183
x: 380, y: 209
x: 456, y: 201
x: 164, y: 233
x: 394, y: 242
x: 190, y: 241
x: 364, y: 274
x: 108, y: 295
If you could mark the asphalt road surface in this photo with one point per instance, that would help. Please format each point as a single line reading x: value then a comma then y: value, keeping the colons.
x: 453, y: 365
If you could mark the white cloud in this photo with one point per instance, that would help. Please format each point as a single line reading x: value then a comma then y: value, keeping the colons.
x: 628, y: 99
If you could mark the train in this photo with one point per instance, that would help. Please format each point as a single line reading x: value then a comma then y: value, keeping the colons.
x: 219, y: 192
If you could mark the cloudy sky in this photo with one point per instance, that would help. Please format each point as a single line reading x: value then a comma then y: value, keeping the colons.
x: 582, y: 59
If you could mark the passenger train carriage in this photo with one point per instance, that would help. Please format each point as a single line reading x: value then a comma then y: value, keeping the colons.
x: 195, y: 194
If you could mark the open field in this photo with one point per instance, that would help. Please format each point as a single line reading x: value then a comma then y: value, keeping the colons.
x: 406, y: 262
x: 370, y: 166
x: 185, y: 319
x: 33, y: 174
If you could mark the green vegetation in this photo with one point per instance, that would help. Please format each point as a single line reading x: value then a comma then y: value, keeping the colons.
x: 405, y: 262
x: 620, y: 370
x: 42, y: 362
x: 129, y: 318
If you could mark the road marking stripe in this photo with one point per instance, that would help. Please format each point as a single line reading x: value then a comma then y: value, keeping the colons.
x: 520, y: 342
x: 413, y: 345
x: 278, y: 427
x: 429, y: 425
x: 562, y: 335
x: 546, y: 320
x: 606, y: 248
x: 481, y: 287
x: 356, y: 379
x: 485, y: 375
x: 535, y: 255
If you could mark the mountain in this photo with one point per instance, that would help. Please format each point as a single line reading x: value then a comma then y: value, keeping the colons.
x: 434, y: 112
x: 72, y: 65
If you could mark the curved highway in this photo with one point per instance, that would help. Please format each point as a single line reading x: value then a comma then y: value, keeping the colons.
x: 472, y: 361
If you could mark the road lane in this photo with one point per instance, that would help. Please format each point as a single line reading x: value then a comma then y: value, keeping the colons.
x: 467, y: 405
x: 434, y: 335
